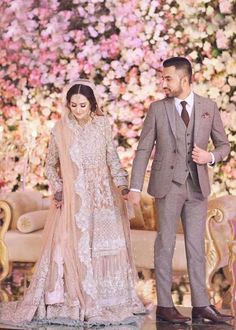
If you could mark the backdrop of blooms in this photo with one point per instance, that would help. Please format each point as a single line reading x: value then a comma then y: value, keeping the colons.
x: 120, y: 45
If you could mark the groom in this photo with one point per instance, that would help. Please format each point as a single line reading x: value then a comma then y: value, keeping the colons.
x: 180, y: 127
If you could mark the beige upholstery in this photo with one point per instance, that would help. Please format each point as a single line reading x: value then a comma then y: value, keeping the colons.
x: 23, y: 202
x: 23, y: 247
x: 32, y: 221
x: 143, y: 250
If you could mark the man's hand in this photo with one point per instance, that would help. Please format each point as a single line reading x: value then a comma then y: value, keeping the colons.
x: 134, y: 197
x: 201, y: 156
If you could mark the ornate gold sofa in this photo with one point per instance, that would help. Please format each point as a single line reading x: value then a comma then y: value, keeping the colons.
x: 27, y: 211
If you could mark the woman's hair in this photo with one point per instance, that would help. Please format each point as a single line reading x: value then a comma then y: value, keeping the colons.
x: 84, y: 90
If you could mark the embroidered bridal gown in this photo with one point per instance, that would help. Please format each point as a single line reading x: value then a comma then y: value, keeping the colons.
x: 85, y: 272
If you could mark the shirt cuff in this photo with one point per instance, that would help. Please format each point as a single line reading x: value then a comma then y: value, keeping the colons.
x: 212, y: 159
x: 137, y: 190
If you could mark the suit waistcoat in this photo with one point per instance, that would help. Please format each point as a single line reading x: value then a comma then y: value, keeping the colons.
x: 184, y: 143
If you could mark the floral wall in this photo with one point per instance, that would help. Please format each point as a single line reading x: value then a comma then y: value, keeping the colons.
x: 120, y: 45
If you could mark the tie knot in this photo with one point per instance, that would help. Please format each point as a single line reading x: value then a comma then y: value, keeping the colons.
x: 183, y: 103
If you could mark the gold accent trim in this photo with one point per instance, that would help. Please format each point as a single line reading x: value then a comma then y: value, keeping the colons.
x: 212, y: 254
x: 5, y: 220
x: 232, y: 270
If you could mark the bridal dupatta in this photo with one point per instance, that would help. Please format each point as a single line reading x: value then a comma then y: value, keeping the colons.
x: 65, y: 285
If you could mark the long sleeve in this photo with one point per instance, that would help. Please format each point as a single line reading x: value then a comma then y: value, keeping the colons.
x: 144, y: 150
x: 119, y: 175
x: 52, y: 166
x: 219, y: 138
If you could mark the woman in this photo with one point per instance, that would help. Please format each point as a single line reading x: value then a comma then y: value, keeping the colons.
x: 85, y: 273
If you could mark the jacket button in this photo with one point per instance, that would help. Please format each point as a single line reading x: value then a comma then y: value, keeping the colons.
x: 174, y: 151
x: 172, y: 167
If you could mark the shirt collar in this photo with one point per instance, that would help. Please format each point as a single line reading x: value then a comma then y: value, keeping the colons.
x: 189, y: 99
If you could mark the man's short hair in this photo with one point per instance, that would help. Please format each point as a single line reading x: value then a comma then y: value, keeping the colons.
x: 180, y: 63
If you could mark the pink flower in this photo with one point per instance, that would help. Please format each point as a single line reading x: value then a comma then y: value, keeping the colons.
x: 34, y: 78
x: 221, y: 40
x: 230, y: 168
x: 225, y: 6
x: 93, y: 33
x: 226, y: 118
x: 110, y: 47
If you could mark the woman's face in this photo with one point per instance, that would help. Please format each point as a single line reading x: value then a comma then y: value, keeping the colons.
x: 80, y: 106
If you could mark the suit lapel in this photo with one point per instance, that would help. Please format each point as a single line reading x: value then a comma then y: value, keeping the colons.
x: 198, y: 115
x: 170, y: 110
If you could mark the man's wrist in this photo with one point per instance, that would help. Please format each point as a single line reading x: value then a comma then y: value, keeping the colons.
x: 212, y: 158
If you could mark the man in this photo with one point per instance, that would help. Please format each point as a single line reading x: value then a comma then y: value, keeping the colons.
x: 180, y: 127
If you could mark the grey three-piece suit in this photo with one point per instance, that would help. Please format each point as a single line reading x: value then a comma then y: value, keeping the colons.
x: 179, y: 185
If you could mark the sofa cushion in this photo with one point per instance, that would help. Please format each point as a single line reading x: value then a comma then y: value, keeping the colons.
x: 23, y: 247
x: 32, y: 221
x: 143, y: 250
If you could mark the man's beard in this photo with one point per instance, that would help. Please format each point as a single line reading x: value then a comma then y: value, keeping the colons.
x: 175, y: 93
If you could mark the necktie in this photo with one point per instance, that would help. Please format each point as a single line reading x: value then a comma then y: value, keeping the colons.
x: 184, y: 113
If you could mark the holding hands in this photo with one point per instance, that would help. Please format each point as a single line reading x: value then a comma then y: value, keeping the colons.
x: 58, y: 199
x: 124, y: 192
x: 134, y: 197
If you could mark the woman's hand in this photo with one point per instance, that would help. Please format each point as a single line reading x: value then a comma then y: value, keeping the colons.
x: 58, y: 199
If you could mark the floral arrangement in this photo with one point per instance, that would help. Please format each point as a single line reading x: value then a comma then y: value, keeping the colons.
x: 120, y: 45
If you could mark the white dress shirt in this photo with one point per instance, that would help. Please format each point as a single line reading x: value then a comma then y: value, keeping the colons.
x: 189, y: 106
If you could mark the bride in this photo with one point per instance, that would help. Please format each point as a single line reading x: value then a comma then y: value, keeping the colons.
x: 85, y: 273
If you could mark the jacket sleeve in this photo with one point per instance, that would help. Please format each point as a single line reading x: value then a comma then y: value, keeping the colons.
x: 119, y: 175
x: 219, y: 138
x: 144, y: 149
x: 52, y: 166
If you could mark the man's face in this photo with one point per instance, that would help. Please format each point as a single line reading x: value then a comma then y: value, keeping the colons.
x: 172, y: 81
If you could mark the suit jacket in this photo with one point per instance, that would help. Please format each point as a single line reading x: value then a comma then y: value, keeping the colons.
x: 160, y: 129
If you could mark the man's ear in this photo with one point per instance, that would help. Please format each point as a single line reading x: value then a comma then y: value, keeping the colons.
x: 185, y: 80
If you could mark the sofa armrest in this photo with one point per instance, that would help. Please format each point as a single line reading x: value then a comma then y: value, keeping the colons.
x: 5, y: 219
x: 219, y: 233
x: 21, y: 202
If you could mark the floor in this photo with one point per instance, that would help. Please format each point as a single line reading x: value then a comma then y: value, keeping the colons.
x: 20, y: 278
x: 147, y: 323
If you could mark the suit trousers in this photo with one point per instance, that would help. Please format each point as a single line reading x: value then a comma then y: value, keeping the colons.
x: 185, y: 202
